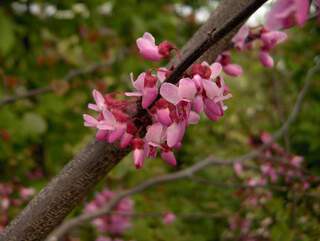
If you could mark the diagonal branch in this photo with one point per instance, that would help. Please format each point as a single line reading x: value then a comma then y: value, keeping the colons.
x: 188, y: 172
x: 64, y: 192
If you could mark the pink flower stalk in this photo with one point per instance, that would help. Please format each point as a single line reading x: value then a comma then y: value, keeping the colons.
x: 286, y: 13
x: 150, y: 51
x: 168, y: 218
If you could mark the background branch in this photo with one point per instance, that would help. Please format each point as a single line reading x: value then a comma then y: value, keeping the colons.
x: 67, y: 78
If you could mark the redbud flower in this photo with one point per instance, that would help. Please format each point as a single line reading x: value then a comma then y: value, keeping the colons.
x: 286, y: 13
x: 27, y: 192
x: 169, y: 157
x: 100, y: 101
x: 146, y: 86
x: 266, y: 59
x: 168, y: 218
x: 174, y: 94
x: 138, y: 152
x: 150, y: 51
x: 239, y: 40
x: 229, y: 68
x: 233, y: 70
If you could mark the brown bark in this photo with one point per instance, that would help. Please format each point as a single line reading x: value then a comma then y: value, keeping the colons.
x: 66, y: 190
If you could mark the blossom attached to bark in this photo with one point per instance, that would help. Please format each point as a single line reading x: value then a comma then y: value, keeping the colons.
x: 169, y: 108
x: 150, y: 51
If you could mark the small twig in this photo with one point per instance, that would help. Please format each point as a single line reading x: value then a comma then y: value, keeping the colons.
x: 193, y: 215
x: 68, y: 77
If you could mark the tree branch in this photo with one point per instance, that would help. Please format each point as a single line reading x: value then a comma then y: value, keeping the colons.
x: 65, y: 191
x: 68, y: 77
x: 188, y: 172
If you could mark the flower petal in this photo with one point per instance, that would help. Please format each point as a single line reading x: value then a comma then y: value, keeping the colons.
x: 216, y: 69
x: 174, y: 134
x: 89, y: 121
x: 154, y: 134
x: 170, y: 92
x: 211, y: 88
x: 169, y: 157
x: 149, y: 95
x: 187, y: 89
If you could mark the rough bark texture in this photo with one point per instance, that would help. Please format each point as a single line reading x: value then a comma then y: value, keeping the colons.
x: 65, y: 191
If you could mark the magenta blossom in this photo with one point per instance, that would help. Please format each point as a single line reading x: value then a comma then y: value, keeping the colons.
x: 113, y: 224
x: 166, y: 116
x: 150, y: 51
x: 174, y: 94
x: 230, y: 68
x: 146, y: 86
x: 168, y: 218
x: 240, y: 39
x: 286, y: 13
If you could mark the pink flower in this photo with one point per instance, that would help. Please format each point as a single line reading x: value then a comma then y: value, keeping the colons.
x: 234, y: 70
x: 238, y: 168
x: 266, y: 59
x: 150, y: 51
x: 286, y: 13
x: 138, y: 152
x: 27, y: 192
x: 239, y: 40
x: 113, y: 224
x: 155, y: 135
x: 175, y: 133
x: 146, y: 86
x: 169, y: 157
x: 101, y: 238
x: 174, y: 94
x: 213, y: 110
x: 229, y: 68
x: 272, y: 38
x: 100, y: 104
x: 296, y: 161
x: 162, y: 112
x: 168, y: 218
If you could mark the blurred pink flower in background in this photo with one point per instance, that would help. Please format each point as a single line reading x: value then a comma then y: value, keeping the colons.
x: 168, y: 218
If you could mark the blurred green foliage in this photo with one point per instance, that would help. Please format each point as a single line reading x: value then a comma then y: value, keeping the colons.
x: 39, y: 47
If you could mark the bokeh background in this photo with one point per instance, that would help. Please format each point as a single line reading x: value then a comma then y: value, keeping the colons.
x: 42, y: 41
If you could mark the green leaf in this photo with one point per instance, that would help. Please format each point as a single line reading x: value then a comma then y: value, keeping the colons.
x: 7, y: 37
x: 33, y: 124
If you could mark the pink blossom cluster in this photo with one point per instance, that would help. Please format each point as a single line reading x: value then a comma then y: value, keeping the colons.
x: 12, y: 194
x: 267, y: 39
x: 171, y: 107
x: 243, y: 228
x: 276, y: 168
x: 114, y: 224
x: 287, y: 13
x: 277, y: 165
